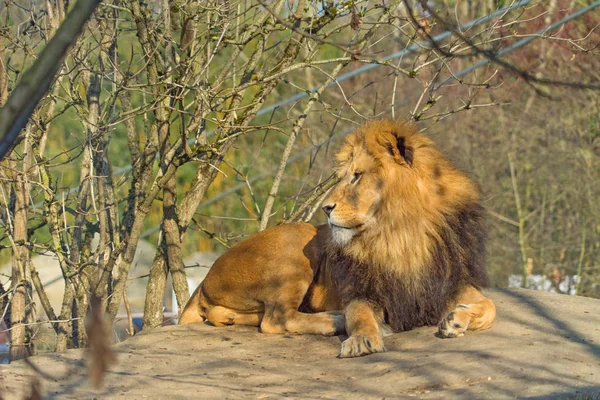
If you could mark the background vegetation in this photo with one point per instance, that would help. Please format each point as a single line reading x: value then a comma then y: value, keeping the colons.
x: 193, y: 124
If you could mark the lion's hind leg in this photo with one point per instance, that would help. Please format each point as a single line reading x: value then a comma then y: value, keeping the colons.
x: 193, y: 312
x: 198, y: 309
x: 473, y: 312
x: 327, y: 323
x: 282, y: 315
x: 222, y: 316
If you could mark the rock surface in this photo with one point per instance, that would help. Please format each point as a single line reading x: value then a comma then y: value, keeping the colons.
x: 542, y: 345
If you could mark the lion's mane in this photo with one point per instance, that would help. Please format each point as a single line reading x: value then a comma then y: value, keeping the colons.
x: 429, y: 239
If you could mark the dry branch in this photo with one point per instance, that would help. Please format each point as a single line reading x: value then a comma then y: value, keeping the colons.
x: 35, y: 82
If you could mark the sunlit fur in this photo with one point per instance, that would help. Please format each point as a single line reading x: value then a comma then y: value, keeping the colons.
x: 341, y: 236
x: 404, y: 215
x: 404, y: 245
x: 400, y: 207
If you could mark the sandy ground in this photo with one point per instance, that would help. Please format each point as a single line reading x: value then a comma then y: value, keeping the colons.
x: 542, y: 346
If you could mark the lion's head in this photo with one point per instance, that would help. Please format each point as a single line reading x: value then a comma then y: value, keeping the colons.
x: 395, y: 189
x: 407, y: 228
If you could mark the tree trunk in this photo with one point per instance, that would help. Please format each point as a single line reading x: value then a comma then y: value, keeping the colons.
x: 155, y: 289
x: 21, y: 308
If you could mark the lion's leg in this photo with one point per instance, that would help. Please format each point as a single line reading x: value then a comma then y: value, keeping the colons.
x: 192, y: 311
x: 282, y: 315
x: 364, y: 324
x: 326, y: 323
x: 195, y: 312
x: 473, y: 312
x: 221, y: 316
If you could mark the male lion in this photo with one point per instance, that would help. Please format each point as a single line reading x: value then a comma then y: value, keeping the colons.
x: 404, y: 248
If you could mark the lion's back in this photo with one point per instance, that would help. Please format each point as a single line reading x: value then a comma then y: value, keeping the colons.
x: 284, y: 251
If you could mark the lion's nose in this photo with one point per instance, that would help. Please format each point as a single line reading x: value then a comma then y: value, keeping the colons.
x: 328, y: 208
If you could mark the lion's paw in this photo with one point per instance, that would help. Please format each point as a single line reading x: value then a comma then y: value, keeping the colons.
x: 361, y: 345
x: 456, y: 323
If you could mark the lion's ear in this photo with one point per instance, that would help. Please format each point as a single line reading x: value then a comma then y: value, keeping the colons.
x: 400, y: 151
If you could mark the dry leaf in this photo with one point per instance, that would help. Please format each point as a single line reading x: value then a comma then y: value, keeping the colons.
x: 35, y: 391
x: 100, y: 355
x: 355, y: 21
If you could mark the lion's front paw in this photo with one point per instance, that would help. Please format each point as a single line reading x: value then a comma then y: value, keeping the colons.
x: 361, y: 345
x: 455, y: 324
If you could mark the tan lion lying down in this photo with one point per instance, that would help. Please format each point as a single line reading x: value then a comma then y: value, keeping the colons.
x: 404, y: 248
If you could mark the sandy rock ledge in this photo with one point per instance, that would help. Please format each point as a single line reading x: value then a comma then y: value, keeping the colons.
x: 542, y: 345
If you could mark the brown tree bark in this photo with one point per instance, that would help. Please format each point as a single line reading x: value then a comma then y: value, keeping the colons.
x: 21, y: 308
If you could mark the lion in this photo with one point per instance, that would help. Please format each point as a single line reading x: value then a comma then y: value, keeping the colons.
x: 404, y: 247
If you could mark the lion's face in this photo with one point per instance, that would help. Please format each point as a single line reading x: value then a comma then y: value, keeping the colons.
x: 352, y: 204
x: 373, y: 160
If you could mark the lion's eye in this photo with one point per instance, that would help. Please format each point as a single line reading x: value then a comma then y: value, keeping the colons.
x: 356, y: 177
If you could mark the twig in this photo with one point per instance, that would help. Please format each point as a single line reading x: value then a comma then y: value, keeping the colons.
x: 131, y: 330
x: 35, y: 82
